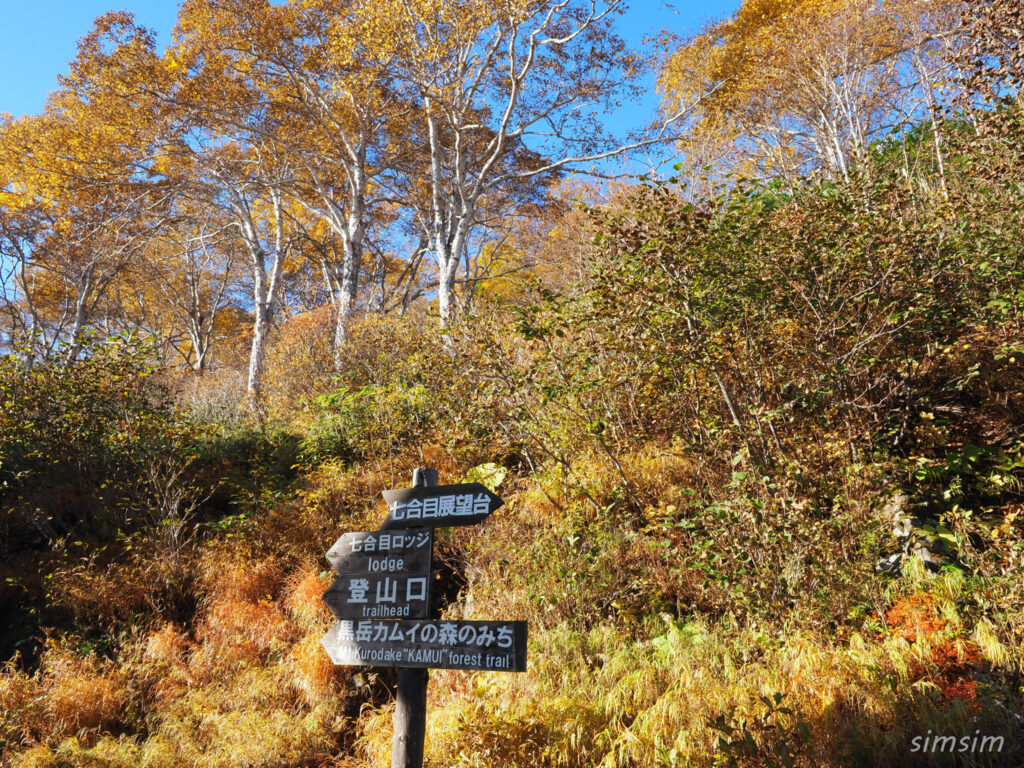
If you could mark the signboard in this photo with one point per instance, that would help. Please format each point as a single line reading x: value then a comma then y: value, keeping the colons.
x: 439, y: 505
x: 483, y: 645
x: 393, y: 551
x: 391, y: 596
x: 382, y: 597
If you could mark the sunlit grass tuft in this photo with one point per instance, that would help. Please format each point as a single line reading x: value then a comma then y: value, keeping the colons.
x: 302, y: 598
x: 312, y: 672
x: 81, y: 694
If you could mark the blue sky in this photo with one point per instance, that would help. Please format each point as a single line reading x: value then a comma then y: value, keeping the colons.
x: 37, y: 39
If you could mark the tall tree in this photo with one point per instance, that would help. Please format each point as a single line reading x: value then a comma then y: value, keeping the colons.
x: 75, y: 213
x: 504, y: 92
x: 325, y: 99
x: 81, y: 193
x: 187, y: 289
x: 794, y: 86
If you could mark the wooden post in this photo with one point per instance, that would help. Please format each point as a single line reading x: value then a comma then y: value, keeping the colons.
x: 410, y: 719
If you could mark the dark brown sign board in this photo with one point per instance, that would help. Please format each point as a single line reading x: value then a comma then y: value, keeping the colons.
x: 392, y: 551
x: 376, y: 596
x: 439, y: 506
x: 492, y: 646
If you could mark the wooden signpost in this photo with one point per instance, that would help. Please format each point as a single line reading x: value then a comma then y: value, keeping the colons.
x: 382, y: 600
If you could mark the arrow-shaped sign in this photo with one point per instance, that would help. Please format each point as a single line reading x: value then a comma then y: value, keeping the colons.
x: 383, y: 551
x: 391, y: 596
x: 439, y: 506
x: 486, y: 645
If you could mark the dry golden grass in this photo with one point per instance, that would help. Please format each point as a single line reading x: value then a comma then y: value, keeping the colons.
x: 35, y: 757
x: 313, y: 674
x: 341, y: 496
x: 239, y: 575
x: 599, y: 699
x: 240, y: 621
x: 109, y: 752
x: 22, y: 706
x: 164, y: 662
x: 660, y: 471
x: 81, y: 694
x: 448, y: 469
x: 244, y: 718
x: 248, y: 683
x: 166, y: 646
x: 103, y: 596
x: 236, y: 631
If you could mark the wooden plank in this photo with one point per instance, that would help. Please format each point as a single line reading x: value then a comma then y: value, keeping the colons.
x: 380, y: 596
x: 482, y: 645
x: 439, y: 506
x: 396, y: 551
x: 410, y: 718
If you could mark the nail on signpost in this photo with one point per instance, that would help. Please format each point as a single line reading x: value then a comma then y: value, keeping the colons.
x: 381, y: 597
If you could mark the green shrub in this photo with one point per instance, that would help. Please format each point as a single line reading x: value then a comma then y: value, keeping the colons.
x: 371, y: 421
x: 74, y: 437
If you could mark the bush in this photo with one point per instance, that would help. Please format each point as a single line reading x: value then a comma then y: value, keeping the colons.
x: 373, y: 420
x: 74, y: 436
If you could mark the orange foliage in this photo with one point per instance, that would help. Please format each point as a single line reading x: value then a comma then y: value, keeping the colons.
x: 241, y: 621
x: 966, y: 690
x: 231, y: 575
x: 915, y: 616
x: 248, y: 630
x: 300, y: 363
x: 303, y: 593
x: 166, y: 646
x: 957, y: 655
x: 436, y: 456
x: 165, y: 651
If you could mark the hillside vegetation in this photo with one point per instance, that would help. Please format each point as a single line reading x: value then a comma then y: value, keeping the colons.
x: 762, y: 453
x: 764, y: 464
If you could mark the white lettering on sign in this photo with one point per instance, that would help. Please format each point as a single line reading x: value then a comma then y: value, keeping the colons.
x: 480, y: 645
x: 386, y: 542
x: 505, y: 637
x: 387, y: 590
x: 446, y: 634
x: 416, y: 589
x: 387, y: 564
x: 386, y: 611
x: 357, y: 589
x: 452, y: 505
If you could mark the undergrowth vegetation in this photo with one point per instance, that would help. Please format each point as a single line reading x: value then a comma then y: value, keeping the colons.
x: 763, y: 459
